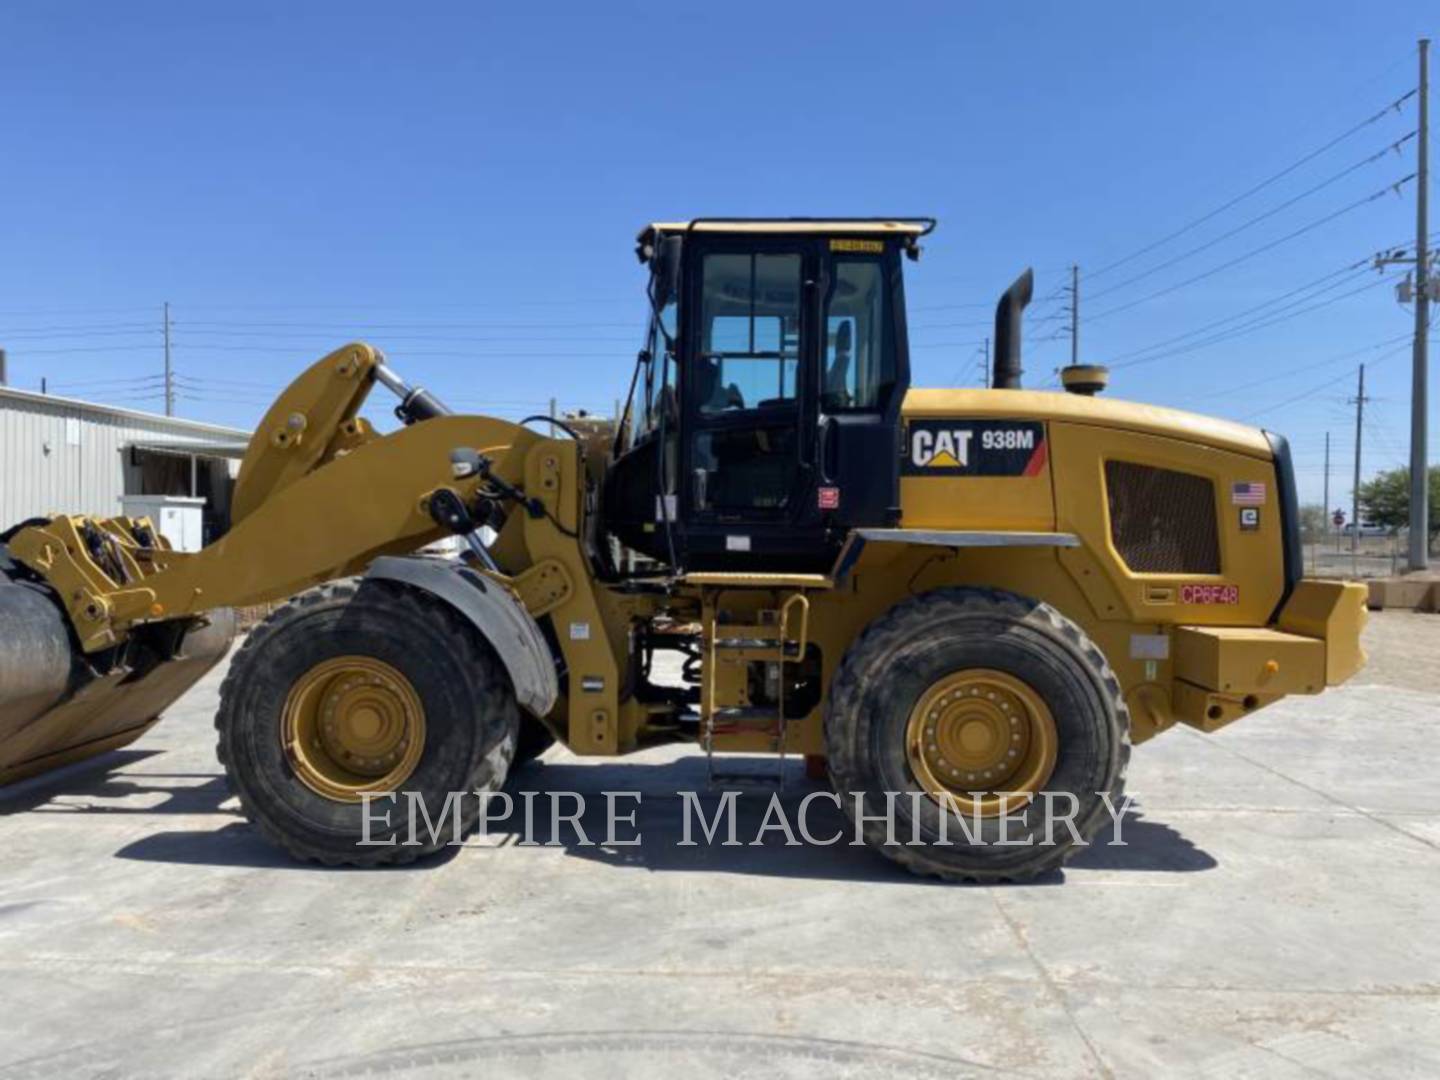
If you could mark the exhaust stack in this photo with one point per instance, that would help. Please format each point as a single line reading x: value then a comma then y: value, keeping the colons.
x: 1007, y: 331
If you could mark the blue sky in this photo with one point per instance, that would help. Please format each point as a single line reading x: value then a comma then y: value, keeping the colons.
x: 461, y: 183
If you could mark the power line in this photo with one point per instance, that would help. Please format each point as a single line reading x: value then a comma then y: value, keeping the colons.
x: 1251, y: 222
x: 12, y: 313
x: 1307, y: 158
x: 280, y: 350
x: 549, y: 304
x: 1382, y: 435
x: 208, y: 379
x: 949, y: 307
x: 1350, y: 272
x: 333, y: 336
x: 1299, y: 397
x: 220, y: 325
x: 82, y: 349
x: 1300, y: 369
x: 39, y: 333
x: 243, y: 388
x: 1263, y: 323
x: 111, y: 382
x: 952, y: 326
x: 1354, y: 270
x: 1317, y: 389
x: 1311, y: 227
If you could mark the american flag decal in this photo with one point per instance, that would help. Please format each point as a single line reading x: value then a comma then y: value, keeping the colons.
x: 1247, y: 494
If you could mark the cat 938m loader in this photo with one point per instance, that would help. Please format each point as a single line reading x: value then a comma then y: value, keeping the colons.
x: 970, y: 598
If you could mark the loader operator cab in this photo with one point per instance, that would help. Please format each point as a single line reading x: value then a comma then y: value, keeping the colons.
x: 764, y: 415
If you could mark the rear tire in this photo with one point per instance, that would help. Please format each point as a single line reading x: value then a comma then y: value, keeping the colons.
x: 939, y: 639
x: 468, y: 720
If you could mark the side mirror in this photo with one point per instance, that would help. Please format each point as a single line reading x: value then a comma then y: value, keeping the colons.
x: 665, y: 266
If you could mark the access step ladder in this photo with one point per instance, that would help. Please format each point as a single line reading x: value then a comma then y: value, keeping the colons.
x: 779, y: 639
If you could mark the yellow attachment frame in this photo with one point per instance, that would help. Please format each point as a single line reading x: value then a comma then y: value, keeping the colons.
x: 320, y: 495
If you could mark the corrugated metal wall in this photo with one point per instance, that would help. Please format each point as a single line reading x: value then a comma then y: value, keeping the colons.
x: 59, y: 455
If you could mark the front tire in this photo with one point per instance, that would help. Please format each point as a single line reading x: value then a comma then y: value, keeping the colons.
x: 356, y: 688
x: 535, y: 738
x: 958, y: 694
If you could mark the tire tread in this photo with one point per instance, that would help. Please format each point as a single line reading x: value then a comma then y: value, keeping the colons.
x: 487, y: 772
x: 886, y: 633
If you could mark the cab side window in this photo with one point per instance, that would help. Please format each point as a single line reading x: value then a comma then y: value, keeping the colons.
x: 859, y: 369
x: 659, y: 387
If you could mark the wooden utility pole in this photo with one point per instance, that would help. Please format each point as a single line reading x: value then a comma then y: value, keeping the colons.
x: 1355, y: 491
x: 1074, y: 314
x: 1419, y: 553
x: 169, y: 375
x: 1325, y: 527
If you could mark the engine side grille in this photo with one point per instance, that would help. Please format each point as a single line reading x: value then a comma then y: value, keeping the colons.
x: 1162, y: 521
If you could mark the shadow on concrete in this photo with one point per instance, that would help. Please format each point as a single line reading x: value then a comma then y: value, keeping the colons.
x: 1147, y: 846
x: 660, y: 819
x: 105, y: 777
x: 242, y: 846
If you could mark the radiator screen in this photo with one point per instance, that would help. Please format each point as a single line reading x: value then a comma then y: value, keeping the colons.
x: 1162, y: 521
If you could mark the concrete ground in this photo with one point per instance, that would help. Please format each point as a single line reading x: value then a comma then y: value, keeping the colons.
x: 1273, y: 913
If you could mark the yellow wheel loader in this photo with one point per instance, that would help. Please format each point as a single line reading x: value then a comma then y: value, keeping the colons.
x: 960, y: 602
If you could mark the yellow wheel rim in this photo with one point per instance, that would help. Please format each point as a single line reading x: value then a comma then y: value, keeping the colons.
x: 352, y: 725
x: 982, y: 738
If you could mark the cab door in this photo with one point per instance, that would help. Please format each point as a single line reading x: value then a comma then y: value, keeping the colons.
x: 750, y: 405
x: 863, y: 374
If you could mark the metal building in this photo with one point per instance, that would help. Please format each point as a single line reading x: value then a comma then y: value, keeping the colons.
x: 62, y: 454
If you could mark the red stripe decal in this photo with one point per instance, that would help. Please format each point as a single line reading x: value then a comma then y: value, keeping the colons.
x: 1037, y: 460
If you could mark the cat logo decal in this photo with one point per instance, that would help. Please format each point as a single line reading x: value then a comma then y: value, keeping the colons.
x: 975, y: 448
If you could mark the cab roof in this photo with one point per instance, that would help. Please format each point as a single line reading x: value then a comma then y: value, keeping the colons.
x: 899, y: 226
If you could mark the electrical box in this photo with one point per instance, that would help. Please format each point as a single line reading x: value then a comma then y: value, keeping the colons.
x: 179, y: 518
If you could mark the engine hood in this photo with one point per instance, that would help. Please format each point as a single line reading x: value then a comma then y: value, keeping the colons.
x: 1078, y: 409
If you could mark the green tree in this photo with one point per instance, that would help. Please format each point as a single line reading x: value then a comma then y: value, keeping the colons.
x: 1385, y: 498
x: 1314, y: 520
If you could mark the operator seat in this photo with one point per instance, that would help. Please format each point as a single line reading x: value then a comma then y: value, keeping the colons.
x: 836, y: 392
